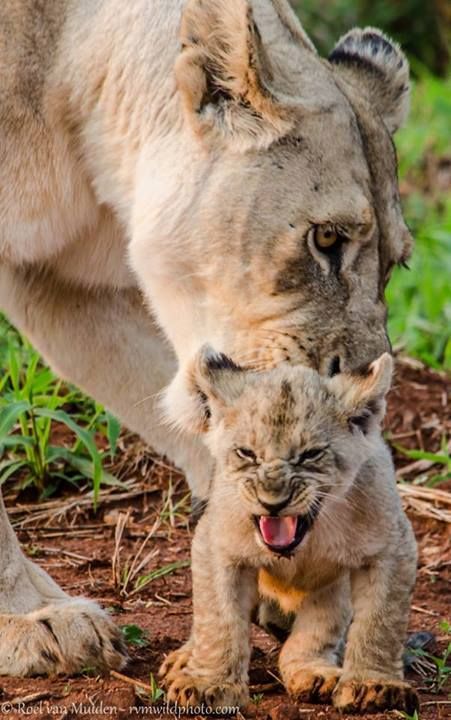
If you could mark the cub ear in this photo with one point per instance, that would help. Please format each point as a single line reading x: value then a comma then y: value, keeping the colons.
x: 216, y: 381
x: 223, y: 72
x: 376, y: 66
x: 362, y: 397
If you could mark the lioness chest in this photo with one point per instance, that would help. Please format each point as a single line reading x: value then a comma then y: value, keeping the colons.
x: 44, y: 202
x: 50, y: 209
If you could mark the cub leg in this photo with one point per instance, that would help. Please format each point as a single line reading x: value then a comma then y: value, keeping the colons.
x: 216, y: 670
x: 309, y: 659
x: 372, y: 679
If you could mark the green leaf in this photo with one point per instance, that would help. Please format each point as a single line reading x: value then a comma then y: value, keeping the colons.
x: 14, y: 441
x: 113, y: 432
x: 155, y: 692
x: 160, y: 572
x: 50, y: 488
x: 10, y: 415
x: 134, y: 635
x: 31, y: 374
x: 85, y: 438
x: 9, y: 468
x: 84, y: 466
x: 13, y: 368
x: 423, y: 455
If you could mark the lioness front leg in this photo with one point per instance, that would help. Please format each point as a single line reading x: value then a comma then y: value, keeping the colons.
x: 213, y: 666
x: 64, y: 637
x: 107, y: 343
x: 372, y: 679
x: 43, y: 630
x: 309, y: 658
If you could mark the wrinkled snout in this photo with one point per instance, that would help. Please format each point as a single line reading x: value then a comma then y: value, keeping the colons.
x: 273, y: 488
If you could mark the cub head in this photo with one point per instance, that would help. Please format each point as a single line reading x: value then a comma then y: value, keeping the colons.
x: 286, y: 441
x: 293, y: 220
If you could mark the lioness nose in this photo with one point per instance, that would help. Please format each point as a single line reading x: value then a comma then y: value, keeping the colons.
x: 354, y: 356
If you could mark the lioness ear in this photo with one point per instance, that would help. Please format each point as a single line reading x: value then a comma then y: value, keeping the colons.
x: 223, y: 72
x: 376, y: 66
x: 217, y: 381
x: 363, y: 396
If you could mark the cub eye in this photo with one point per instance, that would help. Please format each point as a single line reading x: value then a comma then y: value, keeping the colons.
x: 246, y: 454
x: 312, y: 454
x: 325, y: 236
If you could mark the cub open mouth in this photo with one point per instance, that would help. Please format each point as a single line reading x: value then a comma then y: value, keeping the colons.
x: 282, y: 534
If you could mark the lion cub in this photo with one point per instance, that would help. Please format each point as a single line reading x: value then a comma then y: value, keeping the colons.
x: 303, y: 512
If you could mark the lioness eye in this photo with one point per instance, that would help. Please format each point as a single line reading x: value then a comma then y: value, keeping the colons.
x: 312, y: 454
x: 246, y: 454
x: 325, y: 236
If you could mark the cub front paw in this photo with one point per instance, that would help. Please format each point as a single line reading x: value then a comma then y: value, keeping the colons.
x: 312, y: 685
x: 176, y: 661
x: 188, y: 690
x: 358, y: 696
x: 226, y: 695
x: 183, y: 689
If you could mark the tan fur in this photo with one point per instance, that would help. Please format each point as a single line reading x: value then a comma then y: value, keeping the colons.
x: 351, y: 574
x: 273, y: 588
x: 164, y: 165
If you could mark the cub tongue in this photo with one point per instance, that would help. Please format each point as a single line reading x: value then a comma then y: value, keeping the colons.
x: 278, y: 531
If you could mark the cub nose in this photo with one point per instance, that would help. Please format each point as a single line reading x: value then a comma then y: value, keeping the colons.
x: 273, y: 505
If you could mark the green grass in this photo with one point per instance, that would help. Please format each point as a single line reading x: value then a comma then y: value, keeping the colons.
x: 159, y: 572
x: 406, y: 716
x: 33, y: 404
x: 436, y: 669
x: 419, y: 300
x: 156, y: 693
x: 441, y: 460
x: 422, y: 29
x: 428, y: 127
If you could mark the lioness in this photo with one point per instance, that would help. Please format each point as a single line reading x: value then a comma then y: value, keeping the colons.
x: 193, y: 168
x: 303, y: 510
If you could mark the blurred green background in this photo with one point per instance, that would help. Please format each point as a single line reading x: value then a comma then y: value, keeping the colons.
x: 422, y: 28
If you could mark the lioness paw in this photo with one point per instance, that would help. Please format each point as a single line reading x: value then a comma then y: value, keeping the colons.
x: 62, y: 638
x: 356, y: 696
x: 313, y: 685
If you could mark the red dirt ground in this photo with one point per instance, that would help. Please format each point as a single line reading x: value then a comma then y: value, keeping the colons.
x: 77, y: 547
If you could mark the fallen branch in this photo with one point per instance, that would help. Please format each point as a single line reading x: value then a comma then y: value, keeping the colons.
x: 426, y: 501
x: 131, y: 681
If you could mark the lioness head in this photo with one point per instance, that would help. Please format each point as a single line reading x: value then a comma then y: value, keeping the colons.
x: 287, y: 441
x: 292, y: 220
